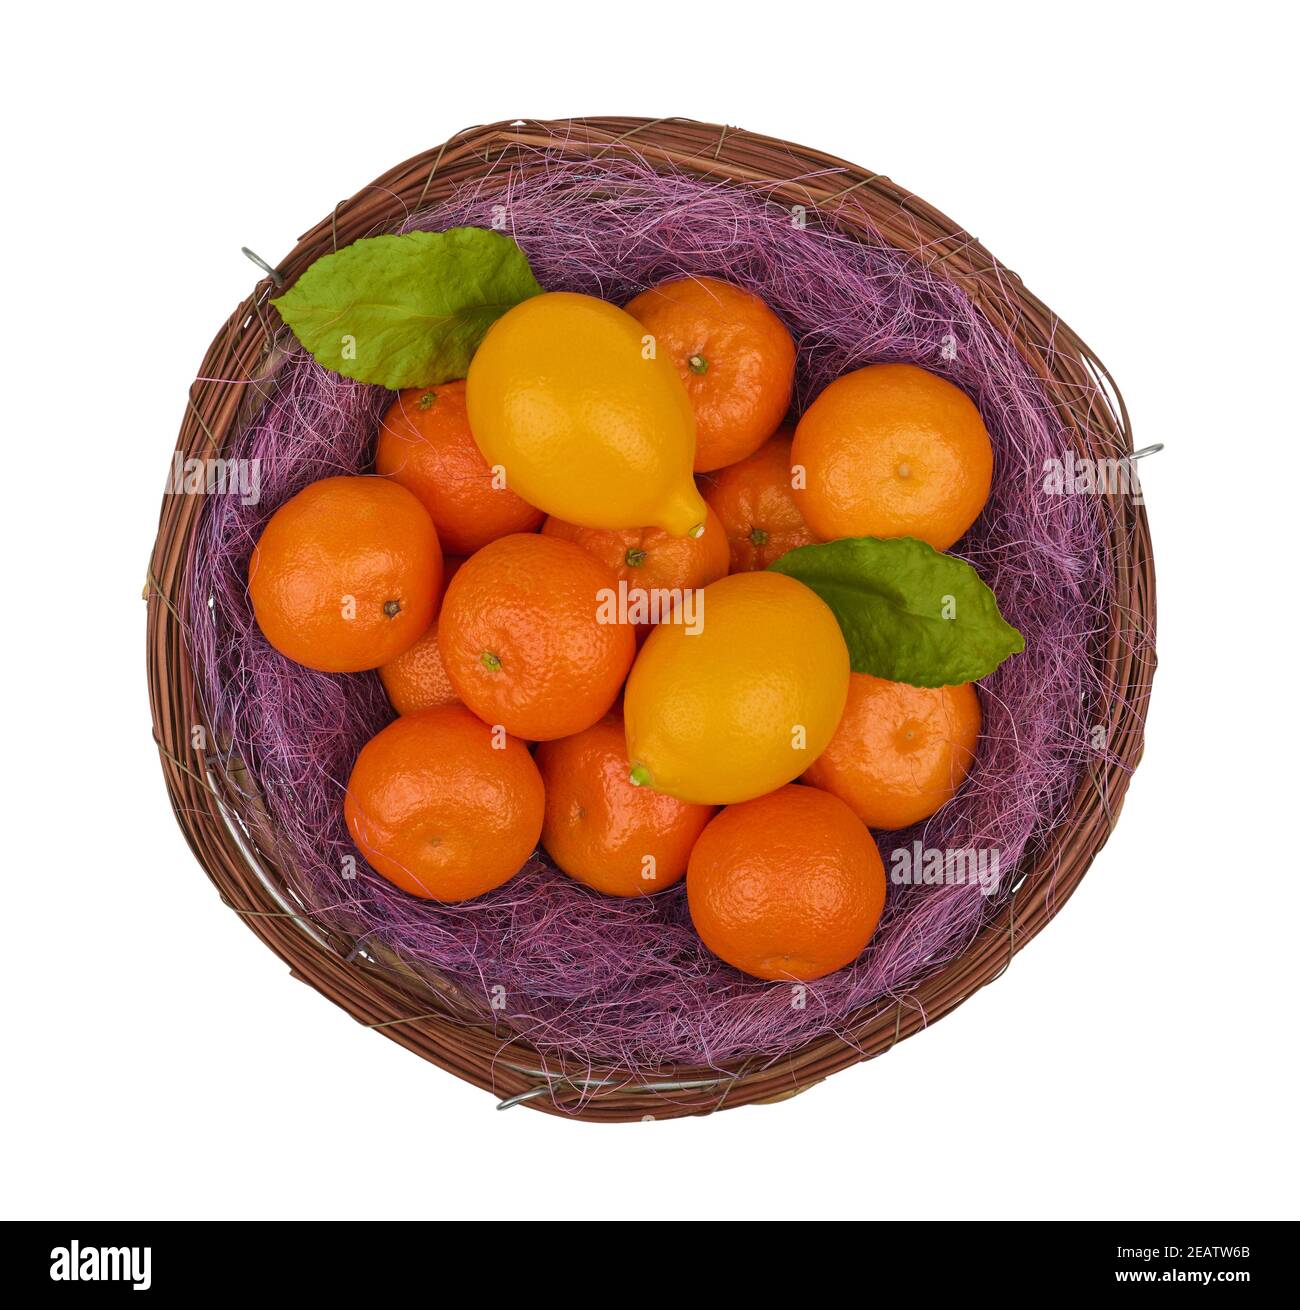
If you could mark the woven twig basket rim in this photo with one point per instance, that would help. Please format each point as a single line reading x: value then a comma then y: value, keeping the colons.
x: 232, y: 839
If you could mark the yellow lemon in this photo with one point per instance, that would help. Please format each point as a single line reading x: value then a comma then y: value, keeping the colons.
x: 587, y: 421
x: 739, y: 697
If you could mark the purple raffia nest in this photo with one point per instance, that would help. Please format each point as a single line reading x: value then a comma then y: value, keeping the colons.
x: 626, y: 984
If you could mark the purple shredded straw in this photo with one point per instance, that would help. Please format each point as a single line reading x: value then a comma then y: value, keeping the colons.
x: 625, y: 984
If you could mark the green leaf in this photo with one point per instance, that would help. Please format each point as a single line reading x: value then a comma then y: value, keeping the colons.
x: 908, y: 612
x: 407, y: 311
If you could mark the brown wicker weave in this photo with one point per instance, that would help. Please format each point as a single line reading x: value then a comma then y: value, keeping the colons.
x: 428, y: 1019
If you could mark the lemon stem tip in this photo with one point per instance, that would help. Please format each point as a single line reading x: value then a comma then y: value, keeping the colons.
x: 640, y: 776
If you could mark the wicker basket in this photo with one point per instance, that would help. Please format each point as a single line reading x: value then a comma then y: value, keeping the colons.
x: 231, y: 837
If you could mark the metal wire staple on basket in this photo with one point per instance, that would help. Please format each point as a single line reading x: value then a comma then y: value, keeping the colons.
x: 234, y: 835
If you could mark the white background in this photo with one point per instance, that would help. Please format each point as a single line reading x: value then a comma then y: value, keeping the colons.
x: 1130, y: 161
